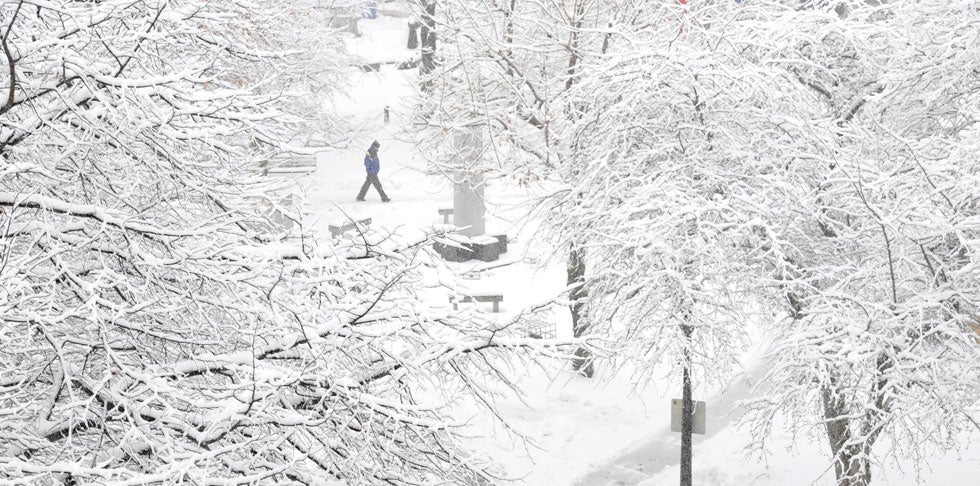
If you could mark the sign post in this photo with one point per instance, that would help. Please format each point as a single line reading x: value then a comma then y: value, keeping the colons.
x: 697, y: 421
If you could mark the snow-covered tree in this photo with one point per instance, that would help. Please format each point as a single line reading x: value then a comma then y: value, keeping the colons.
x: 671, y: 130
x: 155, y: 327
x: 872, y: 232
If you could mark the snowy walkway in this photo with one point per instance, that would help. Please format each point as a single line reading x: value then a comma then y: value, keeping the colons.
x: 662, y: 450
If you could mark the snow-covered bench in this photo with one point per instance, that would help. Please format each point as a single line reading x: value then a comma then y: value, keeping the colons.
x: 340, y: 228
x: 493, y: 297
x: 446, y: 213
x: 289, y: 164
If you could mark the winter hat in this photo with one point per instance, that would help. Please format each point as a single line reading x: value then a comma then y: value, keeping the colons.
x: 375, y: 145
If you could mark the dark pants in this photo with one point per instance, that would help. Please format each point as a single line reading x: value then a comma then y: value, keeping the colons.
x: 372, y: 179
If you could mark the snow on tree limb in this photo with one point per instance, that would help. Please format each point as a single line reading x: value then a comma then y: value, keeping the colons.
x: 34, y: 201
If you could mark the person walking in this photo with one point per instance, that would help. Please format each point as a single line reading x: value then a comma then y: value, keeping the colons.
x: 372, y: 165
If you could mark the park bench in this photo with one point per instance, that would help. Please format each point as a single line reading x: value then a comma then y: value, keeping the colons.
x: 446, y: 213
x: 495, y: 298
x: 289, y: 164
x: 338, y: 229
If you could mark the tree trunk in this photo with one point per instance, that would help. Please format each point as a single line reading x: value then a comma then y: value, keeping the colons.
x: 428, y: 43
x: 851, y: 465
x: 573, y: 45
x: 687, y: 416
x: 582, y: 362
x: 509, y: 34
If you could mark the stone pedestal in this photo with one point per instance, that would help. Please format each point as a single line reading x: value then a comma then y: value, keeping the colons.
x: 461, y: 248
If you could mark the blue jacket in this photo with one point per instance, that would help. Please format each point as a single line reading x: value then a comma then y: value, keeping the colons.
x: 372, y: 164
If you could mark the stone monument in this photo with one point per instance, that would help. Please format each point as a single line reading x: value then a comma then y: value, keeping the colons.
x: 469, y: 207
x: 413, y: 35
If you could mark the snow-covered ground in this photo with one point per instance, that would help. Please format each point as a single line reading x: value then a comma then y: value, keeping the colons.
x: 578, y: 431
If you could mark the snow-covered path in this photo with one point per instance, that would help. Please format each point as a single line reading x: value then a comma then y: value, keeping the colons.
x: 660, y: 450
